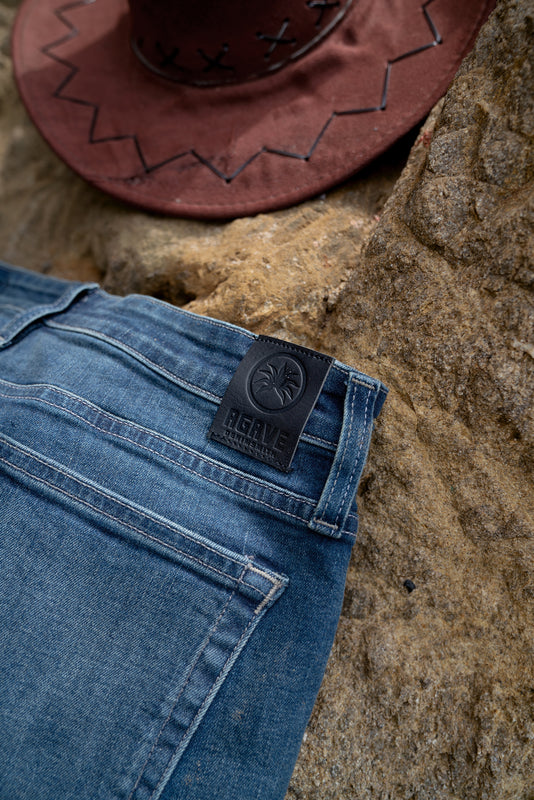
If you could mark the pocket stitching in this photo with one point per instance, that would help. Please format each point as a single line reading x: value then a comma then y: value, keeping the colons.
x: 183, y: 466
x: 148, y: 536
x: 170, y: 766
x: 191, y: 670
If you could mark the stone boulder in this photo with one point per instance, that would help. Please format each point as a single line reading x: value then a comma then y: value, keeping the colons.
x: 430, y: 691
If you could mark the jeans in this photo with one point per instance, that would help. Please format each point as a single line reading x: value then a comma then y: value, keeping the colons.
x: 167, y: 603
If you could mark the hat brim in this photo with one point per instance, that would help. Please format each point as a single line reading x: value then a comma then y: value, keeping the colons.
x: 218, y: 152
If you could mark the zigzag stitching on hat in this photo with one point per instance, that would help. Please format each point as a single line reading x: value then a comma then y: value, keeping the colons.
x: 148, y: 168
x: 73, y: 71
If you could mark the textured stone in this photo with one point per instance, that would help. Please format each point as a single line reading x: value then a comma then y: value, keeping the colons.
x: 429, y: 694
x: 276, y: 272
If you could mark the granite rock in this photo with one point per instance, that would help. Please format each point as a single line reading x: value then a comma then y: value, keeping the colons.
x: 430, y: 692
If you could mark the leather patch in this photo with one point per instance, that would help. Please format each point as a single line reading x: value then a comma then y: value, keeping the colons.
x: 269, y: 399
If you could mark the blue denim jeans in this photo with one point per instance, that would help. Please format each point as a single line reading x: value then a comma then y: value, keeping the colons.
x: 167, y: 604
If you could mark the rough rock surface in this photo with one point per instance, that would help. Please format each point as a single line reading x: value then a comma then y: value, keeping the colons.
x: 429, y: 693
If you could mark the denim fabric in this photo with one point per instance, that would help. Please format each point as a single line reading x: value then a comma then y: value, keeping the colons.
x: 167, y: 604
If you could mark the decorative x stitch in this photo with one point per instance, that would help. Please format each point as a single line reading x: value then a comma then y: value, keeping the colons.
x: 276, y: 40
x: 215, y: 63
x: 168, y: 59
x: 321, y: 6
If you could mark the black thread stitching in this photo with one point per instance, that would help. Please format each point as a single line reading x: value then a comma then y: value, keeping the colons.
x: 321, y: 6
x: 167, y: 59
x: 277, y: 39
x: 295, y: 348
x: 214, y: 62
x: 58, y: 93
x: 227, y: 178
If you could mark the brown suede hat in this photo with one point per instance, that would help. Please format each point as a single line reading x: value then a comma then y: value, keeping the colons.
x: 216, y: 109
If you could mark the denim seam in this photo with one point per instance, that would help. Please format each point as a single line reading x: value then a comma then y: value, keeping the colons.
x: 206, y: 700
x: 191, y: 670
x: 182, y: 382
x: 18, y: 324
x: 149, y: 432
x: 326, y: 524
x: 296, y: 498
x: 13, y: 307
x: 341, y: 461
x: 180, y: 311
x: 331, y: 445
x: 98, y: 334
x: 350, y: 482
x: 277, y: 584
x: 240, y: 331
x: 128, y: 524
x: 335, y: 525
x: 363, y: 383
x: 306, y: 436
x: 18, y: 276
x: 139, y: 356
x: 228, y: 327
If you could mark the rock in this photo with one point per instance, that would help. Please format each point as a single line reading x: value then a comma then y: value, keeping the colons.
x: 429, y: 693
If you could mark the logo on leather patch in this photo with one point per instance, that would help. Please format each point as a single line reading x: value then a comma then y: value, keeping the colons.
x: 269, y: 399
x: 278, y: 382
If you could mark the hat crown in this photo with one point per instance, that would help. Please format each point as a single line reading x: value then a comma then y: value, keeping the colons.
x: 213, y: 42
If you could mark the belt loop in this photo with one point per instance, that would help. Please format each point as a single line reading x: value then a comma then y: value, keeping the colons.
x: 342, y: 482
x: 44, y: 296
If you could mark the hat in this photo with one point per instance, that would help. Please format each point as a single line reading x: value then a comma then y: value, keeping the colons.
x: 221, y: 108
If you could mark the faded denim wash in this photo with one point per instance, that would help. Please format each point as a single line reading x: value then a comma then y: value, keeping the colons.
x: 167, y: 604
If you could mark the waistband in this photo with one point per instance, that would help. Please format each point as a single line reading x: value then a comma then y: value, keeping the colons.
x: 200, y: 354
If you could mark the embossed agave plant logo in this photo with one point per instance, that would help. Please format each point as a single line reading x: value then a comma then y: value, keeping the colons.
x: 277, y: 383
x: 283, y: 381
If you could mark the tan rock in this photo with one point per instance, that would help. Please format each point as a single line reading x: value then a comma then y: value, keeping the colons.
x: 430, y: 694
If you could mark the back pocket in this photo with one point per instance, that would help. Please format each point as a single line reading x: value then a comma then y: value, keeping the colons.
x: 117, y: 629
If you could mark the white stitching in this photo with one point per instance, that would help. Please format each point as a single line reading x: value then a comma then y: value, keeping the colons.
x: 207, y: 699
x: 275, y: 587
x: 183, y: 688
x: 326, y: 524
x: 63, y: 302
x: 319, y: 439
x: 249, y: 479
x: 155, y: 435
x: 162, y: 370
x: 138, y: 530
x: 209, y: 320
x: 363, y: 383
x: 242, y: 332
x: 140, y: 356
x: 149, y: 432
x: 341, y: 461
x: 349, y: 483
x: 127, y: 524
x: 335, y: 526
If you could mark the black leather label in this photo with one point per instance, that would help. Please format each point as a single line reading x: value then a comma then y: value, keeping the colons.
x: 269, y: 399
